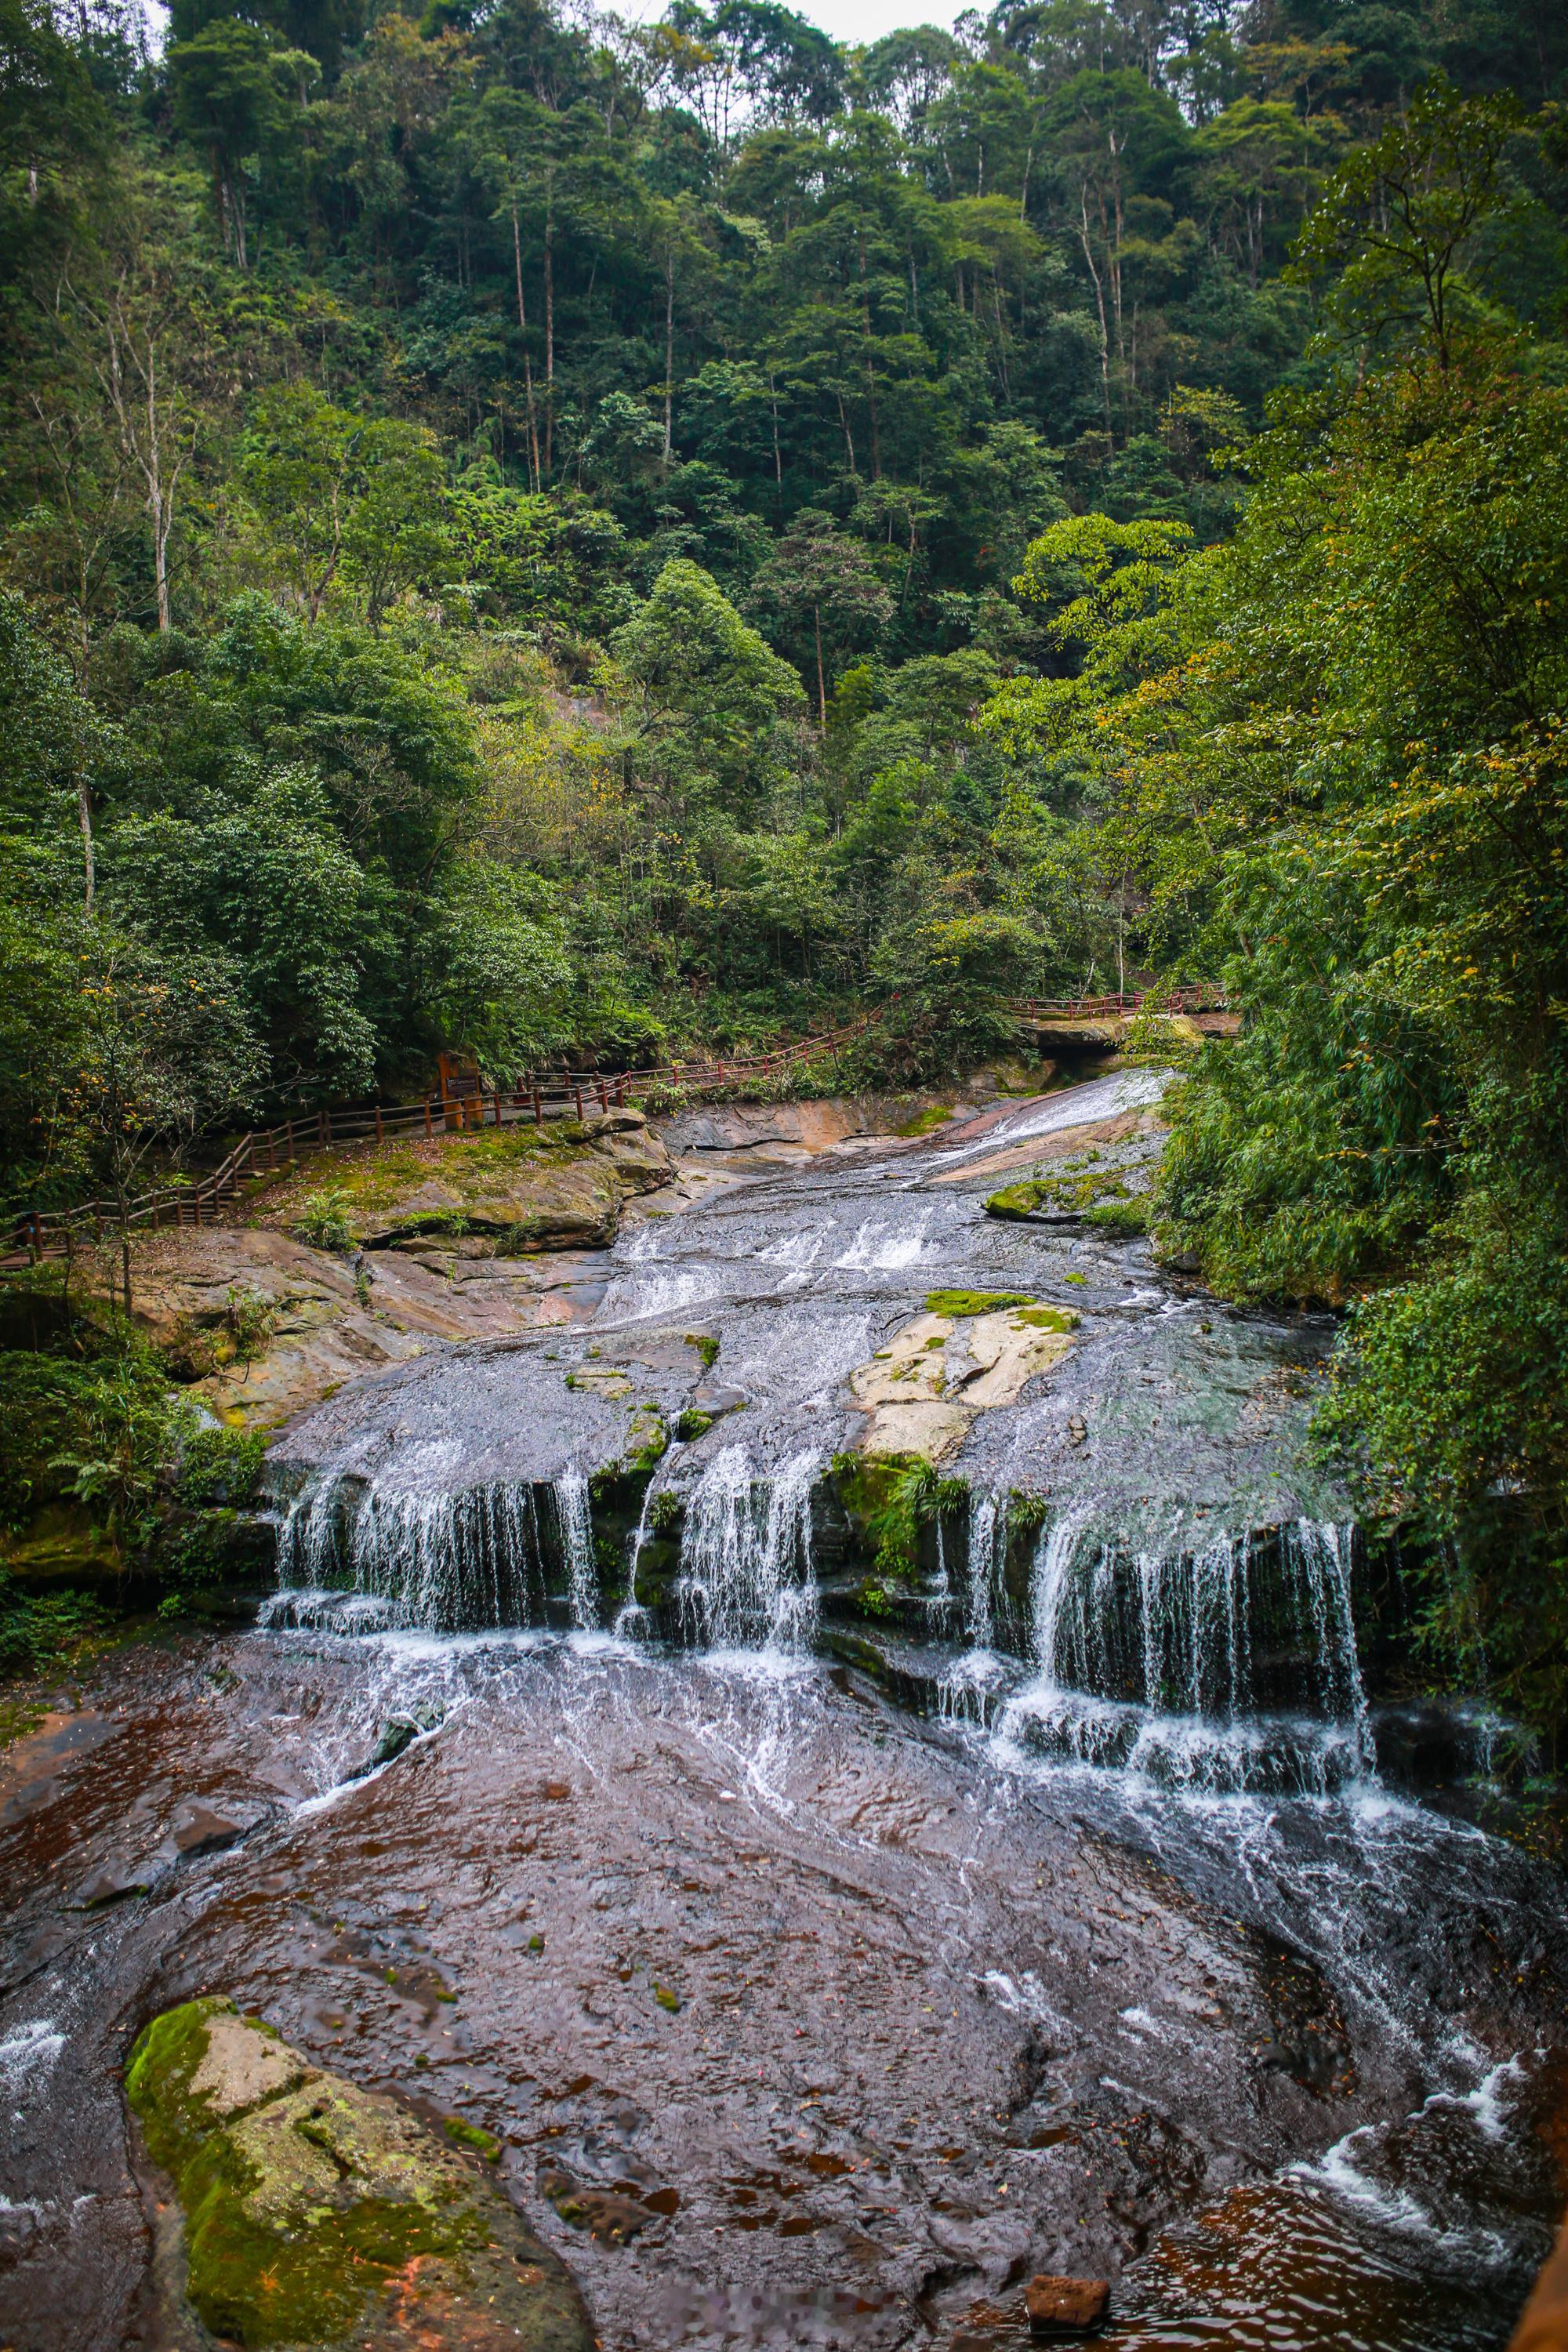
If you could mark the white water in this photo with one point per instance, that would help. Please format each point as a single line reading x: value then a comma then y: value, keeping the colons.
x: 987, y: 1536
x: 746, y: 1578
x: 577, y: 1543
x: 632, y: 1619
x: 1188, y: 1655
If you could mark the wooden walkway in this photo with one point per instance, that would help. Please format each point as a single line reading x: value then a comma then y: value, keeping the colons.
x: 202, y: 1199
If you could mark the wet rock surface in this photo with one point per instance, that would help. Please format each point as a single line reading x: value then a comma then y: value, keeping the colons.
x: 792, y: 2019
x: 1029, y: 1904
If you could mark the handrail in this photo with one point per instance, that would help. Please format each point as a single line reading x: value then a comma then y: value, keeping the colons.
x: 457, y: 1109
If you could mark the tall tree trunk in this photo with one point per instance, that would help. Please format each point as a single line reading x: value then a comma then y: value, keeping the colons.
x: 160, y: 505
x: 88, y: 861
x: 527, y: 361
x: 1098, y: 303
x: 668, y: 352
x: 549, y: 335
x: 870, y: 368
x: 778, y: 461
x: 821, y: 680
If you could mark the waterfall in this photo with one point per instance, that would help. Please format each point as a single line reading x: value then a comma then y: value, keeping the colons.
x: 632, y: 1617
x: 987, y: 1550
x: 577, y: 1543
x: 746, y: 1576
x: 1168, y: 1655
x: 429, y: 1557
x: 1054, y: 1557
x: 354, y: 1555
x: 1324, y: 1554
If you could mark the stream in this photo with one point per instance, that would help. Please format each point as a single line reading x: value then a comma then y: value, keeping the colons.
x: 829, y: 1952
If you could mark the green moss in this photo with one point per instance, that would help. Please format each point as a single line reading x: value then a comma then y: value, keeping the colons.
x: 649, y: 1440
x: 1126, y: 1219
x: 256, y: 2285
x: 220, y: 1466
x: 1072, y: 1190
x: 667, y: 1999
x: 922, y: 1122
x: 1048, y: 1318
x: 1016, y: 1200
x: 691, y: 1424
x: 958, y: 1303
x: 166, y: 2055
x: 274, y: 2254
x: 474, y: 2135
x: 707, y: 1347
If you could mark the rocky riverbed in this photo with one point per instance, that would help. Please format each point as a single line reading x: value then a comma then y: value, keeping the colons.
x: 843, y: 1866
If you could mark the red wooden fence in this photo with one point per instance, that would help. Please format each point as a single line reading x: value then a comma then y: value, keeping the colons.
x: 200, y: 1199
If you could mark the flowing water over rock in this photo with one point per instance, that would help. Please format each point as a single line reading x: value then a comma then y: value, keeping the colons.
x: 831, y: 1946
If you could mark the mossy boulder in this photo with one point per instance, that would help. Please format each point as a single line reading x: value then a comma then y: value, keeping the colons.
x: 320, y: 2215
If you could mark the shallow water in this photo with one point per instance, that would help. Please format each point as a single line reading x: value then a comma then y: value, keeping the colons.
x: 839, y: 2020
x: 943, y: 2015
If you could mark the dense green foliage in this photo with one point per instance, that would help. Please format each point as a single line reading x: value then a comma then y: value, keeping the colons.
x: 511, y: 522
x: 523, y: 536
x: 1333, y: 752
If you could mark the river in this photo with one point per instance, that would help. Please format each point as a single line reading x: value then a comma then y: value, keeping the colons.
x: 829, y: 1959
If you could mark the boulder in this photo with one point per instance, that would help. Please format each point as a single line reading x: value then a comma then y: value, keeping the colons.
x: 197, y: 1829
x: 320, y: 2215
x: 1061, y: 2308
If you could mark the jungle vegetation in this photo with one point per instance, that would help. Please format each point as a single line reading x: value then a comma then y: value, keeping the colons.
x: 526, y: 533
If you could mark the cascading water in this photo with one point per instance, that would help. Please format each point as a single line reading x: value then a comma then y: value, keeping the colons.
x: 423, y: 1557
x: 577, y: 1543
x: 987, y: 1538
x: 632, y: 1619
x: 352, y: 1555
x: 1221, y: 1659
x: 746, y: 1577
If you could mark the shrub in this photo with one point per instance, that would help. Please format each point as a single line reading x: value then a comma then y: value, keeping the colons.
x: 326, y: 1220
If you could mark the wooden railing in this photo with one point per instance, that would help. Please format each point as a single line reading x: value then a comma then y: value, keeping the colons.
x: 1200, y: 997
x: 465, y: 1105
x: 462, y: 1106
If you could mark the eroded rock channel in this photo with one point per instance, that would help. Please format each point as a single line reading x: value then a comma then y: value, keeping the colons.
x: 852, y: 1765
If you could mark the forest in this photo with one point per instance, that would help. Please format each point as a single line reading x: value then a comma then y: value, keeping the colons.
x: 530, y: 535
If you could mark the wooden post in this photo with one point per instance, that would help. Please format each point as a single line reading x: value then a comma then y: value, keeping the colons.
x: 620, y: 1094
x: 271, y: 1149
x: 326, y: 1127
x: 538, y: 1109
x: 498, y: 1106
x: 578, y: 1092
x: 604, y: 1096
x: 196, y: 1205
x: 378, y: 1122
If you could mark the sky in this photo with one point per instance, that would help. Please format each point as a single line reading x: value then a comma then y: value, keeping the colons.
x: 867, y: 20
x: 845, y: 20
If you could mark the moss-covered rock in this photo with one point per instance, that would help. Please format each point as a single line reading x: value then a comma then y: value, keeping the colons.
x: 320, y: 2215
x: 961, y: 1303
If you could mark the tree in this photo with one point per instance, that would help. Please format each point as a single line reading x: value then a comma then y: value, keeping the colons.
x: 234, y: 89
x: 1398, y: 224
x: 344, y: 498
x: 823, y: 594
x: 160, y: 1047
x: 708, y: 688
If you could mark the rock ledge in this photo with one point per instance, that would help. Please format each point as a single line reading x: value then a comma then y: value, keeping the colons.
x: 319, y: 2215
